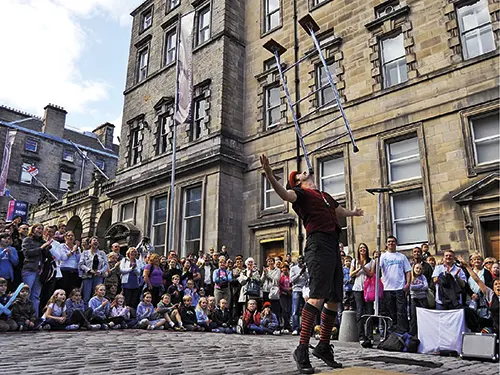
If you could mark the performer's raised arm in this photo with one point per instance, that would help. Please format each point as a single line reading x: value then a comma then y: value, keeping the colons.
x: 286, y: 195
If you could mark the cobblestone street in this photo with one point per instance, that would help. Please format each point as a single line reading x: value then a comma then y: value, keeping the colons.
x: 159, y: 352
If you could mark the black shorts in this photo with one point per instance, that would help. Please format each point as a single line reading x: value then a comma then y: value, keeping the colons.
x: 324, y: 264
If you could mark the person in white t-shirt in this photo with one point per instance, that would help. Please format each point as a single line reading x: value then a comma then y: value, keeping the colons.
x: 396, y: 277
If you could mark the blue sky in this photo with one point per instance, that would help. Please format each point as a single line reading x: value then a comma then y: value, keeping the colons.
x: 72, y: 53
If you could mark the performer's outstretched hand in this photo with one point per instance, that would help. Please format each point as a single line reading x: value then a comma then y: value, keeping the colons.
x: 358, y: 212
x: 264, y: 162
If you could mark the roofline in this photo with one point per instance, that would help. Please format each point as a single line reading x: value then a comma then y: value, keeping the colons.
x: 27, y: 114
x: 56, y: 139
x: 142, y: 5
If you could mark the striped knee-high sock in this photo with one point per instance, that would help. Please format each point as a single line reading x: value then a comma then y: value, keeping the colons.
x: 327, y: 322
x: 309, y: 313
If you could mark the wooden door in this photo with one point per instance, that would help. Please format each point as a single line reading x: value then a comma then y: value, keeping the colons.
x: 273, y: 249
x: 491, y: 233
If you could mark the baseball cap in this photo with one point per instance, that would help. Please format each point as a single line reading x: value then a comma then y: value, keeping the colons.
x: 291, y: 178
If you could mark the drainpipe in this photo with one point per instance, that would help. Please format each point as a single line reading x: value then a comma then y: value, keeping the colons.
x: 297, y: 107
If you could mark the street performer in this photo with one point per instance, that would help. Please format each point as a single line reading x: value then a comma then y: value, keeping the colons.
x: 319, y: 212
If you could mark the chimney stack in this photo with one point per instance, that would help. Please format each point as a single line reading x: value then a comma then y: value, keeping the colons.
x: 54, y: 120
x: 105, y: 134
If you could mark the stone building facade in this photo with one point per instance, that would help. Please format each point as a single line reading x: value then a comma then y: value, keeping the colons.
x: 48, y: 145
x: 419, y: 83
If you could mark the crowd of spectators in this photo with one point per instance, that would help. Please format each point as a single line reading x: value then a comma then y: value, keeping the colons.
x: 51, y: 281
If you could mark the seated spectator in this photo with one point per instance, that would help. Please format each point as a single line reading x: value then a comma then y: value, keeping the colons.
x: 190, y: 290
x: 202, y: 316
x: 146, y: 314
x: 99, y: 306
x: 119, y: 315
x: 348, y: 303
x: 251, y: 318
x: 268, y: 320
x: 170, y: 312
x: 55, y: 312
x: 449, y: 280
x: 418, y: 295
x: 492, y: 295
x: 188, y: 315
x: 211, y: 306
x: 75, y: 311
x: 23, y: 311
x: 176, y: 290
x: 222, y: 317
x: 396, y: 277
x: 8, y: 260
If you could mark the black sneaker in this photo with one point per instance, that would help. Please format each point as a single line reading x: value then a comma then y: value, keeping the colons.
x: 301, y: 356
x: 324, y: 352
x: 367, y: 344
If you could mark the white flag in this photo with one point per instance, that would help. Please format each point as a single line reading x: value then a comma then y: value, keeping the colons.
x: 185, y: 69
x: 9, y: 141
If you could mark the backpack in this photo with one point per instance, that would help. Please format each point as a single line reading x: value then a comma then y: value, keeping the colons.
x: 253, y: 288
x: 397, y: 342
x: 48, y: 269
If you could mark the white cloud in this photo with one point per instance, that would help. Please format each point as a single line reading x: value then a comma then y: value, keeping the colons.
x: 42, y: 44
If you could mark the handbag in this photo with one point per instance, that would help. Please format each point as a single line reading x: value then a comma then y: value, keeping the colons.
x: 431, y: 299
x: 274, y: 292
x: 253, y: 288
x: 369, y: 289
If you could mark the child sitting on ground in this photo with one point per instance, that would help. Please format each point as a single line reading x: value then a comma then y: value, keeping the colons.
x: 170, y: 312
x: 146, y: 314
x: 6, y: 322
x: 190, y: 290
x: 55, y: 313
x: 188, y: 315
x: 202, y: 316
x: 176, y: 290
x: 23, y: 310
x: 251, y: 318
x: 268, y: 320
x: 100, y: 307
x: 120, y: 314
x: 222, y: 317
x: 75, y: 311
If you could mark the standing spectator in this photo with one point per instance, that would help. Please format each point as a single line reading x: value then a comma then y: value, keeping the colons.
x: 299, y: 278
x: 58, y: 255
x: 223, y: 252
x: 425, y: 251
x: 115, y: 248
x: 348, y: 303
x: 488, y: 263
x: 153, y: 277
x: 69, y: 267
x: 131, y: 269
x: 206, y: 271
x: 288, y: 259
x: 449, y: 280
x: 222, y: 278
x: 163, y: 263
x: 8, y: 260
x: 286, y: 298
x: 432, y: 262
x: 22, y: 233
x: 235, y: 307
x: 251, y: 272
x: 113, y: 274
x: 426, y: 267
x: 476, y: 261
x: 361, y: 268
x: 172, y: 270
x: 93, y: 266
x: 396, y: 277
x: 186, y: 273
x: 85, y: 245
x: 495, y: 271
x: 34, y: 248
x: 418, y: 295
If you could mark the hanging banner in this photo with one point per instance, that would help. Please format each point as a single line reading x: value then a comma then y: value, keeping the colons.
x: 17, y: 208
x: 7, y: 150
x: 185, y: 69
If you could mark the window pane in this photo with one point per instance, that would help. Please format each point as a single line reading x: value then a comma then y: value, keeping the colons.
x: 193, y: 228
x: 272, y: 5
x: 393, y: 48
x: 488, y: 151
x: 192, y: 247
x: 274, y: 20
x: 128, y: 211
x: 486, y: 126
x: 159, y: 234
x: 405, y: 169
x: 334, y: 185
x: 332, y: 166
x: 63, y: 182
x: 274, y: 96
x: 412, y: 231
x: 193, y: 194
x: 408, y: 205
x: 404, y: 148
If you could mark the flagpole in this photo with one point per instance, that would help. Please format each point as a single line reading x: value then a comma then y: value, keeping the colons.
x: 41, y: 183
x: 174, y: 143
x: 80, y: 152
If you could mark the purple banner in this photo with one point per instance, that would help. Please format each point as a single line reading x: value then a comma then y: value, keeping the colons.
x: 185, y: 69
x: 9, y: 141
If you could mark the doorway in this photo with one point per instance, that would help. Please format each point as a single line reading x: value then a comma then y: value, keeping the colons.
x: 491, y: 237
x: 272, y: 249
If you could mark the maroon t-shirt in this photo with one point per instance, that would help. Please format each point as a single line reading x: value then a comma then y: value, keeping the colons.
x: 317, y: 210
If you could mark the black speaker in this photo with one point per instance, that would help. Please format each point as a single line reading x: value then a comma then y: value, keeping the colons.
x: 479, y: 346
